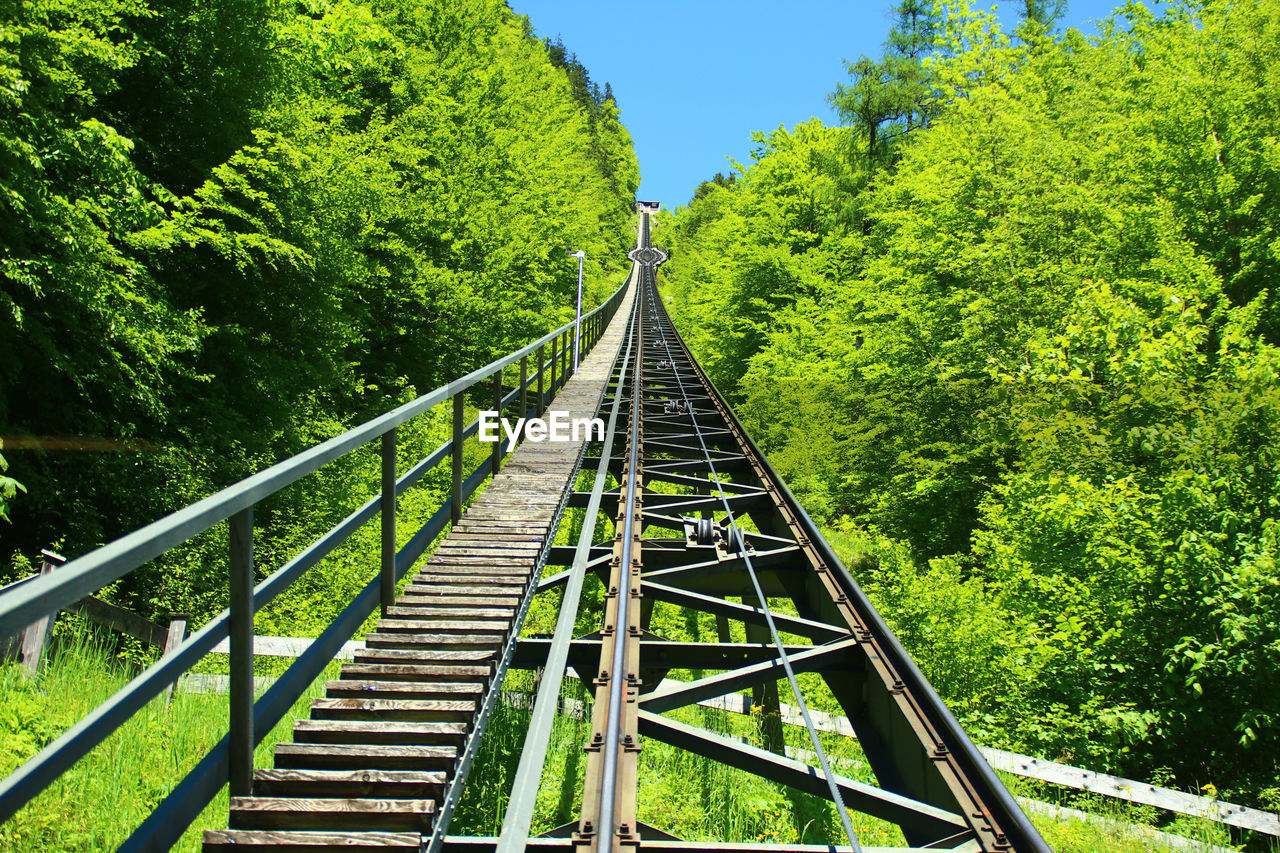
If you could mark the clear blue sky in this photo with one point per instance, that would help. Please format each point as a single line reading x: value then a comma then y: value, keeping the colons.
x: 694, y: 78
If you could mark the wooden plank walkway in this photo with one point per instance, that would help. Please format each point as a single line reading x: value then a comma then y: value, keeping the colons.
x: 368, y: 768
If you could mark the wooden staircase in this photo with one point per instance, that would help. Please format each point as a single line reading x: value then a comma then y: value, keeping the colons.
x: 369, y: 768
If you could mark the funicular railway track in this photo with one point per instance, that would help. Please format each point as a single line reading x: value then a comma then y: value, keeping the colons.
x: 679, y: 509
x: 702, y: 522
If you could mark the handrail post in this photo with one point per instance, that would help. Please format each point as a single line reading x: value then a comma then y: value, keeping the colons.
x: 455, y: 451
x: 173, y: 638
x: 388, y: 510
x: 524, y: 387
x: 241, y: 630
x: 564, y: 357
x: 36, y: 635
x: 496, y: 459
x: 542, y: 366
x: 555, y: 363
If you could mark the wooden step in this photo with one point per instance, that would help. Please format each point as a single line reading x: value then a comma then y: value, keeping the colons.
x: 489, y: 614
x: 311, y: 842
x: 394, y: 784
x: 497, y: 527
x: 441, y: 711
x: 442, y: 625
x: 378, y: 732
x: 498, y: 561
x: 460, y: 601
x: 424, y: 656
x: 504, y: 569
x: 360, y: 688
x: 318, y: 814
x: 470, y: 588
x: 332, y: 756
x: 463, y: 548
x: 449, y: 569
x: 433, y: 641
x: 490, y: 584
x: 457, y: 673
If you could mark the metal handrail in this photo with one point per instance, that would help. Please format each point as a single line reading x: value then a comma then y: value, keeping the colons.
x: 21, y: 604
x: 89, y: 573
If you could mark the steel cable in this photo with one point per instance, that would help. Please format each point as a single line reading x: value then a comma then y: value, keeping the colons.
x: 764, y: 606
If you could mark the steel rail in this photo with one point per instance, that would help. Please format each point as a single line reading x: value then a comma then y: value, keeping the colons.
x: 621, y: 634
x: 514, y: 835
x: 832, y: 783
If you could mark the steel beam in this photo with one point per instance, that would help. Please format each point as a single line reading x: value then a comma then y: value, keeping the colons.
x: 926, y: 820
x: 813, y: 659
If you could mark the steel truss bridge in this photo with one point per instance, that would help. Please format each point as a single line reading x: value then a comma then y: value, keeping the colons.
x: 676, y: 505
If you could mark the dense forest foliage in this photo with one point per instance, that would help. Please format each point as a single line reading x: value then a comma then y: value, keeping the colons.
x: 230, y: 229
x: 1014, y: 328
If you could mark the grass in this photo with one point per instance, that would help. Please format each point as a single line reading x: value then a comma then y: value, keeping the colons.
x: 699, y: 799
x: 703, y: 800
x: 109, y: 793
x: 103, y: 798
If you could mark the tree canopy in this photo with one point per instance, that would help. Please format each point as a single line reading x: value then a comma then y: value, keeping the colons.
x: 230, y: 228
x: 1036, y: 370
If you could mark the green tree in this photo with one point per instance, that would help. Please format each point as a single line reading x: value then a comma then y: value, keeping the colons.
x: 886, y: 99
x: 1042, y: 357
x: 232, y: 229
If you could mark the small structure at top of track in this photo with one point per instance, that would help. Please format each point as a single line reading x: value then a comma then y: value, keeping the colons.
x: 647, y: 255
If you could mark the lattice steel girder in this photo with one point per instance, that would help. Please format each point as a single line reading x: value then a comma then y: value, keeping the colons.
x: 725, y: 463
x: 656, y: 843
x: 914, y: 747
x: 584, y: 654
x: 722, y: 577
x: 743, y: 503
x: 904, y: 811
x: 736, y: 531
x: 913, y: 744
x: 562, y: 555
x: 677, y: 444
x: 741, y: 612
x: 837, y: 655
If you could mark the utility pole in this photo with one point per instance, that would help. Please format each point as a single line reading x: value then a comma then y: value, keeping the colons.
x: 577, y: 323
